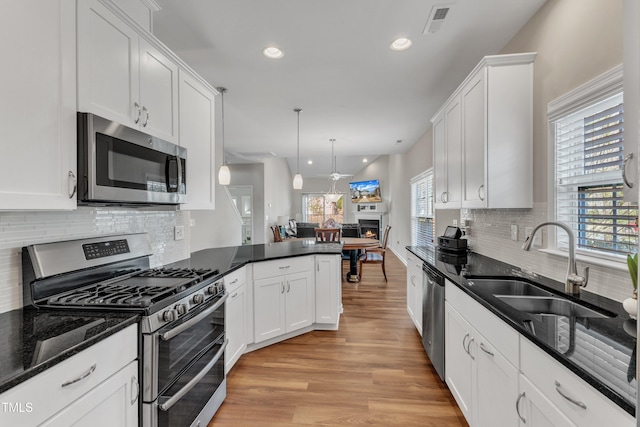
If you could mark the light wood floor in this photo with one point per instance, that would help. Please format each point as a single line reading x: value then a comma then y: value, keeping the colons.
x: 373, y: 371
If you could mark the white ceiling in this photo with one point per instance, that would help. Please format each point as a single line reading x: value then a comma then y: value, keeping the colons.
x: 337, y: 67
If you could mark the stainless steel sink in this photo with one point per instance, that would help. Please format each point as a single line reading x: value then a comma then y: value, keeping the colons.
x: 547, y: 305
x: 507, y: 286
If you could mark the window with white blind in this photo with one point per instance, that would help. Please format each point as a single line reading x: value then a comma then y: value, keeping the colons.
x: 422, y: 209
x: 316, y: 208
x: 588, y: 174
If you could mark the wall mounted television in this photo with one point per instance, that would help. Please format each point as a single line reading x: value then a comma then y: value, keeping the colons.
x: 365, y: 191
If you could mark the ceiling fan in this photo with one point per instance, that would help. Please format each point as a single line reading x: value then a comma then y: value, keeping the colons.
x: 334, y: 175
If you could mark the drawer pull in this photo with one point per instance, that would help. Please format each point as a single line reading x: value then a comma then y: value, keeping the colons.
x: 563, y: 394
x: 483, y: 348
x: 134, y: 396
x: 81, y: 377
x: 464, y: 346
x: 469, y: 348
x: 284, y: 267
x: 234, y: 281
x: 234, y: 295
x: 518, y: 407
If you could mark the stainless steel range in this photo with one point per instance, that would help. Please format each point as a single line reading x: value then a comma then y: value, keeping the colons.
x: 182, y: 325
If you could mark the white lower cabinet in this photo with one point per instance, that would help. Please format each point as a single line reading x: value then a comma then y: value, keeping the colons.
x: 112, y: 403
x: 284, y: 294
x: 328, y: 290
x: 535, y: 410
x: 482, y: 379
x: 236, y: 315
x: 414, y: 290
x: 566, y: 393
x: 97, y: 387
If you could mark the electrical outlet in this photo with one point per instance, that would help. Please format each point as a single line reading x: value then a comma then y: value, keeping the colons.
x: 455, y: 222
x: 178, y: 232
x: 192, y: 222
x: 514, y: 232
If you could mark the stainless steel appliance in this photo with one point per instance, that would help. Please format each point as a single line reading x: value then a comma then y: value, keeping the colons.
x: 117, y: 164
x: 182, y: 317
x: 433, y: 316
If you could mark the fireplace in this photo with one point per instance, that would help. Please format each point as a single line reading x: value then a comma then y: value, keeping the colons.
x: 370, y: 228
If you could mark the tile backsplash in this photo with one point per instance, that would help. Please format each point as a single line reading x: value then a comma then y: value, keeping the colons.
x: 18, y: 229
x: 491, y: 236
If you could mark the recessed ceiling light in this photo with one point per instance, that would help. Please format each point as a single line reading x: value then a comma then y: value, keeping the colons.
x: 310, y: 162
x: 273, y: 52
x: 399, y: 141
x: 402, y: 43
x: 364, y: 160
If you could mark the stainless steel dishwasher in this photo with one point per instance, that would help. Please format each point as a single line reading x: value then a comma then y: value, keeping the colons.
x: 433, y: 316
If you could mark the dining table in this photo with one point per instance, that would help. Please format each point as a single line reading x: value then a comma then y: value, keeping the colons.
x: 353, y: 244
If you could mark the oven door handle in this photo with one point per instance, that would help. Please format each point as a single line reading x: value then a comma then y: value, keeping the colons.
x: 195, y: 380
x: 189, y: 323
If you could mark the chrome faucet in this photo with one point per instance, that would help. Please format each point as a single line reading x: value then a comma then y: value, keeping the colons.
x: 573, y: 281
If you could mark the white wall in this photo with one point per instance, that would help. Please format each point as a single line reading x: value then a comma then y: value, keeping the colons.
x: 278, y: 193
x: 218, y: 228
x: 254, y: 176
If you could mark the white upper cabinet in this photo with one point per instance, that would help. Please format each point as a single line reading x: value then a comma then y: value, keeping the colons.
x: 197, y: 130
x: 38, y: 106
x: 631, y: 77
x: 483, y: 137
x: 122, y: 76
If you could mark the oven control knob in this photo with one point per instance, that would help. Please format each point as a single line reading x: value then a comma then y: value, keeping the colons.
x: 181, y: 309
x: 211, y: 290
x: 197, y: 299
x: 169, y: 315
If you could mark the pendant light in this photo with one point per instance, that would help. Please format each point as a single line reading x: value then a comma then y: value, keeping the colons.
x: 297, y: 179
x: 224, y: 175
x: 332, y: 195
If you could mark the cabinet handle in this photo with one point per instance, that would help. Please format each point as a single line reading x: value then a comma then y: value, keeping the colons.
x: 442, y: 198
x: 234, y: 295
x: 284, y: 267
x: 233, y: 281
x: 138, y: 108
x: 518, y: 407
x: 624, y: 170
x: 413, y: 280
x: 134, y: 396
x: 469, y: 348
x: 72, y: 178
x: 570, y: 399
x: 81, y: 377
x: 288, y: 286
x: 146, y: 120
x: 463, y: 343
x: 482, y: 347
x: 480, y: 193
x: 282, y: 291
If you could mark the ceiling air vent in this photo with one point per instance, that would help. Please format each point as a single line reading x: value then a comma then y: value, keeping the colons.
x: 436, y: 18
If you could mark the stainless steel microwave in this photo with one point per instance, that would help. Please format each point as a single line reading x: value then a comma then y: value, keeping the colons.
x: 120, y: 165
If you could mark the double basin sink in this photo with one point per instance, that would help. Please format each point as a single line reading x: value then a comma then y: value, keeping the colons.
x: 529, y: 298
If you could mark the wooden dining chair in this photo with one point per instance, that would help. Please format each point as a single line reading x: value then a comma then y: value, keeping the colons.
x: 277, y: 237
x: 327, y: 234
x: 376, y: 255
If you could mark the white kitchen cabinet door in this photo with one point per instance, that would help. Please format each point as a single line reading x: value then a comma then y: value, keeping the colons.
x: 108, y: 65
x: 631, y: 77
x: 113, y: 403
x: 235, y: 325
x: 496, y: 386
x: 300, y: 300
x: 414, y: 291
x: 122, y: 76
x: 269, y: 312
x: 197, y: 130
x: 474, y: 133
x: 37, y: 111
x: 535, y: 410
x: 458, y: 362
x: 158, y: 93
x: 453, y: 148
x: 439, y: 161
x: 328, y: 289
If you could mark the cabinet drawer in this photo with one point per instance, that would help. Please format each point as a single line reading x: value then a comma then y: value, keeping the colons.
x: 503, y: 337
x: 283, y: 266
x: 45, y: 394
x: 234, y: 280
x: 545, y: 373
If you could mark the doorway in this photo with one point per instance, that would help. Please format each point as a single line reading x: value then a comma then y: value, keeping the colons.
x: 242, y: 196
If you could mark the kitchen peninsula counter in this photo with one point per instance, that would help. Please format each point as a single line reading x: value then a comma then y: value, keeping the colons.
x: 611, y: 339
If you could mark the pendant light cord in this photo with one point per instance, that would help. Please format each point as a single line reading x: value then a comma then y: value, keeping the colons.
x: 222, y: 90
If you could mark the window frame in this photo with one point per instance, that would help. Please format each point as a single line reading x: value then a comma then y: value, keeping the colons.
x: 324, y: 212
x: 427, y: 176
x: 600, y: 88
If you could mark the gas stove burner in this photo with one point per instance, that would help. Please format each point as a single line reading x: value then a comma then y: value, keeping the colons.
x: 201, y: 273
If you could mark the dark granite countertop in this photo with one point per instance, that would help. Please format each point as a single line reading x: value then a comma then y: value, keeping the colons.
x: 228, y: 259
x: 35, y: 340
x: 599, y: 350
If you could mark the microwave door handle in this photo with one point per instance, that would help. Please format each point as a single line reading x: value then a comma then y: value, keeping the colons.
x: 179, y: 164
x: 167, y: 173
